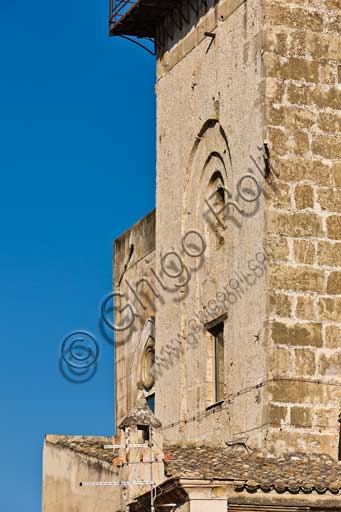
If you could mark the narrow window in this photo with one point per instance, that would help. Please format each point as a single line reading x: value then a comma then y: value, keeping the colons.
x: 218, y: 333
x: 151, y: 401
x: 215, y: 364
x: 143, y: 431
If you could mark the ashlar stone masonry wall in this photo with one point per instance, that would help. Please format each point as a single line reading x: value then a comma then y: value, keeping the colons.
x: 302, y: 57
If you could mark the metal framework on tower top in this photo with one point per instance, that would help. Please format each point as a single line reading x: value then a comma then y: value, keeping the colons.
x: 136, y: 17
x: 141, y: 18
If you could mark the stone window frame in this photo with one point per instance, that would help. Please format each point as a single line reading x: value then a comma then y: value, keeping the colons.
x: 214, y: 329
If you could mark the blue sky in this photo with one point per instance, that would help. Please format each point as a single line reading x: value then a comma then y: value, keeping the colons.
x: 77, y: 160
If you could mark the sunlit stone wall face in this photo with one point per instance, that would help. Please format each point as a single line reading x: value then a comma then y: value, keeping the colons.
x: 302, y: 51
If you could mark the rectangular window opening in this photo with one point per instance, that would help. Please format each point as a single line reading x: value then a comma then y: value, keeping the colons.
x: 151, y: 402
x: 145, y: 433
x: 218, y: 334
x: 215, y: 369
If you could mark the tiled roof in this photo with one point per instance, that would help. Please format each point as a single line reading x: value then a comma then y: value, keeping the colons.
x: 249, y: 472
x: 252, y: 471
x: 89, y: 446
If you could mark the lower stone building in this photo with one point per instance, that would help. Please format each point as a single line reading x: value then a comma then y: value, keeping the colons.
x: 227, y: 295
x: 191, y: 478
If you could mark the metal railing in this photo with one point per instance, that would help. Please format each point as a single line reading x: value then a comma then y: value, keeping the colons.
x: 118, y: 8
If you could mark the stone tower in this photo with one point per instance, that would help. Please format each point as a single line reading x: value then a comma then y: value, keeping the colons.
x: 228, y: 295
x: 240, y: 265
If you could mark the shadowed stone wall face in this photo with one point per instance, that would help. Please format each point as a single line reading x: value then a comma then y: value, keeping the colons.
x: 210, y: 120
x: 136, y: 289
x: 302, y: 55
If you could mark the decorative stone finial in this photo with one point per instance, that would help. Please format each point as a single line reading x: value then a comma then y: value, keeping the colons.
x: 141, y: 415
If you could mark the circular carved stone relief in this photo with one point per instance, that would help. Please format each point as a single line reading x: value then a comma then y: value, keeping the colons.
x: 147, y: 360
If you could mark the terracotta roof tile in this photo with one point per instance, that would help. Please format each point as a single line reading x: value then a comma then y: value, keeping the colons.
x: 249, y: 471
x: 89, y: 446
x: 253, y: 471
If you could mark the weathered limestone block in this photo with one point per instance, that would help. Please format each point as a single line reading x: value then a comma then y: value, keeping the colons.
x: 304, y: 197
x: 301, y: 417
x: 305, y: 308
x: 334, y: 283
x: 296, y: 392
x: 330, y: 364
x: 332, y: 336
x: 330, y: 309
x: 281, y: 305
x: 298, y: 279
x: 297, y: 334
x: 330, y: 200
x: 295, y: 224
x: 305, y: 362
x: 329, y: 254
x: 334, y: 227
x: 304, y: 252
x: 277, y: 415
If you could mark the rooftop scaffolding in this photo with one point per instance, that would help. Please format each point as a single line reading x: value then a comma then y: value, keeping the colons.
x: 137, y: 18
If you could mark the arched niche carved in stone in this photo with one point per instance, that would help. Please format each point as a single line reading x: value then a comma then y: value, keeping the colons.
x: 208, y: 178
x: 209, y: 171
